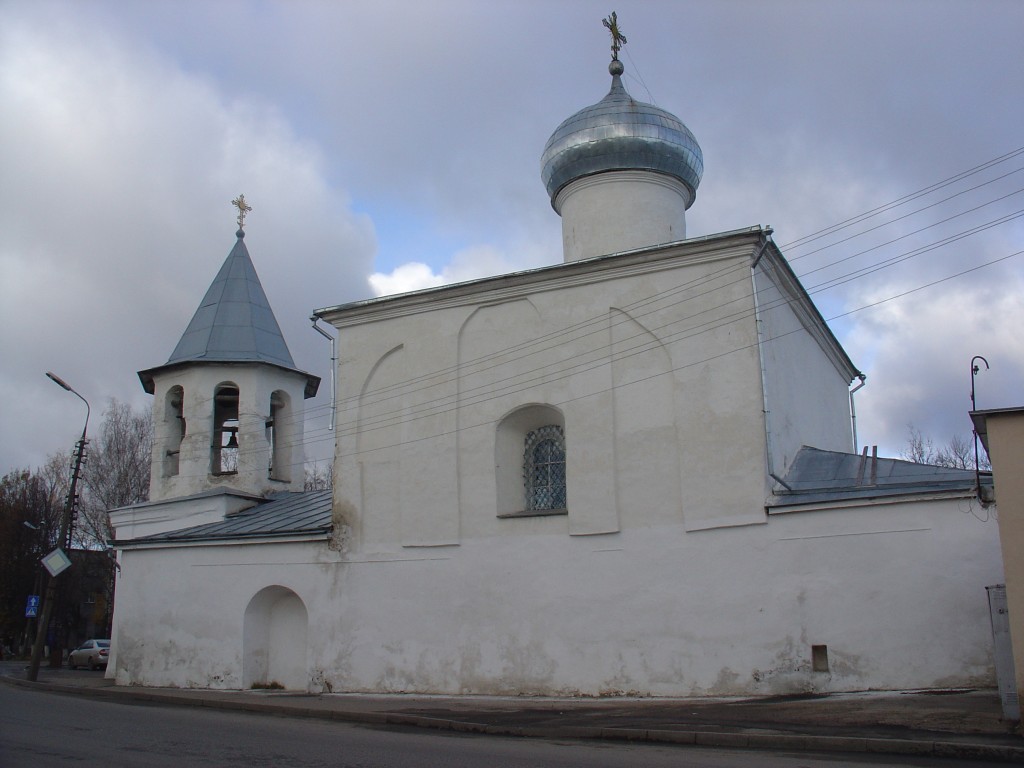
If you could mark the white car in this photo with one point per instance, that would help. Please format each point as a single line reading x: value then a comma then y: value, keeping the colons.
x: 92, y: 654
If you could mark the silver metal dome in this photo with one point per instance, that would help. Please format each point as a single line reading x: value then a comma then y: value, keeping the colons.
x: 618, y: 134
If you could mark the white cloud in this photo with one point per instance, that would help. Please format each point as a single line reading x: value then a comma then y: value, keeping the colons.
x: 128, y: 127
x: 115, y: 216
x: 413, y: 276
x: 920, y: 348
x: 465, y: 265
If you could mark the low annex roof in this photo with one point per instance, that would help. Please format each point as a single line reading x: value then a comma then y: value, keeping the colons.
x: 818, y: 476
x: 282, y: 515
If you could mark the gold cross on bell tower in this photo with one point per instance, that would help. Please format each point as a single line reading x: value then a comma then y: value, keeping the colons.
x: 243, y: 208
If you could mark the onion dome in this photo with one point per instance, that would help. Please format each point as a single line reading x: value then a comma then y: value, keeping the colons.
x: 621, y: 134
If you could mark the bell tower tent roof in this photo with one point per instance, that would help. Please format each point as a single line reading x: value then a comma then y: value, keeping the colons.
x: 234, y: 321
x: 233, y: 324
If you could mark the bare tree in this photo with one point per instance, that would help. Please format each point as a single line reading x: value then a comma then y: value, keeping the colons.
x: 116, y: 471
x: 919, y: 449
x: 318, y: 477
x: 957, y: 453
x: 55, y: 477
x: 30, y: 511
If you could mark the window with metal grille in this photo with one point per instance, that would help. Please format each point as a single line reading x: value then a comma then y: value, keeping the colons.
x: 544, y: 468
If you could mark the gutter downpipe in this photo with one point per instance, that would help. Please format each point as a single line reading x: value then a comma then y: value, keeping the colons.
x: 334, y: 368
x: 853, y: 409
x: 760, y: 356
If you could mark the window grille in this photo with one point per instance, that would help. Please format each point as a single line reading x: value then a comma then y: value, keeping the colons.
x: 544, y: 468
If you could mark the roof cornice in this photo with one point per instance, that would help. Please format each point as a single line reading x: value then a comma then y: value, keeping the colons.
x: 737, y: 243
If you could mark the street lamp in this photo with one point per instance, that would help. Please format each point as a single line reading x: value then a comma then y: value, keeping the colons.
x: 64, y: 538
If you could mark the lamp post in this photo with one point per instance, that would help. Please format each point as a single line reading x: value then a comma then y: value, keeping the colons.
x: 64, y: 539
x: 974, y: 406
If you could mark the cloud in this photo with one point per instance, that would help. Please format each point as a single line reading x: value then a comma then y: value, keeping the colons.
x: 919, y: 350
x: 403, y: 142
x: 413, y: 276
x: 465, y: 265
x: 115, y: 217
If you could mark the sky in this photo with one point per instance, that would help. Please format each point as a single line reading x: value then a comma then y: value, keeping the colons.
x: 387, y: 146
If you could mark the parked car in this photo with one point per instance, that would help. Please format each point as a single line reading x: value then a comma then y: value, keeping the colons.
x: 92, y: 654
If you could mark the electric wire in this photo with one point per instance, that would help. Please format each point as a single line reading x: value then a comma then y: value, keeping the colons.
x: 429, y: 378
x: 923, y: 250
x: 559, y: 338
x: 598, y: 356
x: 348, y: 432
x: 489, y: 421
x: 800, y: 241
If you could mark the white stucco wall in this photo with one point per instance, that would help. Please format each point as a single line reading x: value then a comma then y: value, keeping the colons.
x: 653, y: 360
x: 895, y: 592
x: 806, y: 381
x: 665, y: 576
x: 155, y: 517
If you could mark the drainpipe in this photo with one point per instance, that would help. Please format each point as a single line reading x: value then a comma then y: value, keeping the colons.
x: 334, y: 367
x: 853, y: 409
x: 766, y: 238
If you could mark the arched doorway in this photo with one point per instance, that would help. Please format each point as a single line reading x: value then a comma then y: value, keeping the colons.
x: 274, y: 640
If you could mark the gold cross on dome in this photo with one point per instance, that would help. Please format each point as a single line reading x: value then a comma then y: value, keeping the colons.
x: 618, y: 39
x: 243, y: 208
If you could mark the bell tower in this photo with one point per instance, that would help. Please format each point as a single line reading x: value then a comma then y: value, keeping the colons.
x: 228, y: 403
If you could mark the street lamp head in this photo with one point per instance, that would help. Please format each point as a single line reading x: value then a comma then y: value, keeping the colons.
x: 64, y: 385
x: 59, y: 381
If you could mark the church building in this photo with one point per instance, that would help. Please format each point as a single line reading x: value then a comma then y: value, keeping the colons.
x: 633, y: 472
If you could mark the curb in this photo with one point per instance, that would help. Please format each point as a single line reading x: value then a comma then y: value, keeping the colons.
x: 763, y: 741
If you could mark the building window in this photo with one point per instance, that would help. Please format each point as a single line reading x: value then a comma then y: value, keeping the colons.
x: 280, y: 437
x: 530, y: 462
x: 224, y: 451
x: 174, y: 430
x: 544, y: 468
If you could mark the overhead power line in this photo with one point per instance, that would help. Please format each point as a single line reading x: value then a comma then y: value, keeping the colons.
x: 699, y: 288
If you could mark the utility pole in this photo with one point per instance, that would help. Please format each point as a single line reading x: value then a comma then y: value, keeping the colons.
x: 64, y: 539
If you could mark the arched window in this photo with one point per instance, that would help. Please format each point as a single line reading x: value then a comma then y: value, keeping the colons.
x: 544, y: 468
x: 224, y: 451
x: 280, y: 436
x: 173, y: 430
x: 529, y: 462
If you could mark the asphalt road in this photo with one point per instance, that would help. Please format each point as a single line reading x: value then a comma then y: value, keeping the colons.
x: 40, y: 729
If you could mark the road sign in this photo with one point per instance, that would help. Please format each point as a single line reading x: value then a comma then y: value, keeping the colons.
x: 56, y: 562
x: 32, y: 607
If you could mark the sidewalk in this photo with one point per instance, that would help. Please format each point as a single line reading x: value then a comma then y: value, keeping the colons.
x: 955, y: 723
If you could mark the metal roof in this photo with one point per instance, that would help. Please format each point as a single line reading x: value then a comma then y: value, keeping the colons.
x: 233, y: 324
x: 282, y: 515
x: 817, y: 476
x: 620, y: 133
